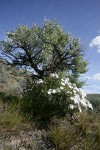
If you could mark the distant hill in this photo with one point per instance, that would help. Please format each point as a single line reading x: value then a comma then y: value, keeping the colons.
x: 93, y: 96
x: 95, y: 101
x: 12, y: 80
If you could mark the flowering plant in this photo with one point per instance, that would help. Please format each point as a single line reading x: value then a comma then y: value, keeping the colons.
x: 55, y: 96
x: 77, y: 95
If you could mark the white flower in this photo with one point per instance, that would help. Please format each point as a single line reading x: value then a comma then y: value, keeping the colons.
x: 74, y: 85
x: 71, y: 106
x: 54, y: 75
x: 79, y: 107
x: 54, y: 91
x: 74, y: 91
x: 49, y: 91
x: 61, y: 88
x: 77, y: 95
x: 70, y: 86
x: 39, y: 81
x: 79, y: 99
x: 67, y: 79
x: 62, y: 83
x: 58, y: 90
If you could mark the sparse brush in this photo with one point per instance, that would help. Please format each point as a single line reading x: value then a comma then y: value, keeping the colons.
x: 10, y: 117
x: 82, y: 135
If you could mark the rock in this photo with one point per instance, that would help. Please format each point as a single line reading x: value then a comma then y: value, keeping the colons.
x: 22, y: 148
x: 27, y: 140
x: 15, y: 142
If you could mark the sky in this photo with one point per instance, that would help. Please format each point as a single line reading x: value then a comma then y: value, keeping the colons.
x: 79, y: 17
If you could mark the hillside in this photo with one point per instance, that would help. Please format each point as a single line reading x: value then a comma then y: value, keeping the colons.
x: 19, y: 132
x: 12, y: 80
x: 95, y: 101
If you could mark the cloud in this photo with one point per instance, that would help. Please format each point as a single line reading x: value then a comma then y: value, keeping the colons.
x: 87, y: 77
x: 96, y: 76
x: 92, y: 77
x: 98, y: 50
x: 92, y: 88
x: 96, y: 42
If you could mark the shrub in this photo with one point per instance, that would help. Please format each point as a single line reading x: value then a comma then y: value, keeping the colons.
x: 53, y: 96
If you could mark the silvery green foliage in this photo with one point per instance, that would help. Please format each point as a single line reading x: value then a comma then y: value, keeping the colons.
x: 43, y: 50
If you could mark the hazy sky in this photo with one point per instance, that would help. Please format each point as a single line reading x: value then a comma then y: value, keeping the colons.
x: 79, y: 17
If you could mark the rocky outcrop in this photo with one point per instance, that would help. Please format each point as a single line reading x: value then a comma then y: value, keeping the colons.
x: 26, y: 140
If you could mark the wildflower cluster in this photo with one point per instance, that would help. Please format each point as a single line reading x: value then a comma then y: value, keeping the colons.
x: 77, y: 95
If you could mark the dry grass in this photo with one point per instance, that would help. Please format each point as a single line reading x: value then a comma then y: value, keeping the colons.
x: 10, y: 117
x: 82, y: 135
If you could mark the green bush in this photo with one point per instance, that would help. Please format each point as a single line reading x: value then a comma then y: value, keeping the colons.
x: 52, y: 96
x: 42, y: 106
